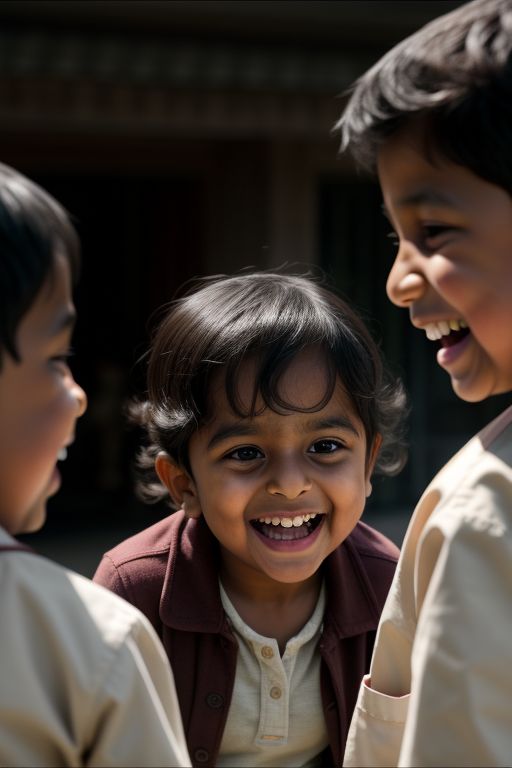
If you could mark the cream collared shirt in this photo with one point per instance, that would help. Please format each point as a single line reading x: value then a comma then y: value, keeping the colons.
x: 84, y: 680
x: 439, y: 692
x: 276, y: 716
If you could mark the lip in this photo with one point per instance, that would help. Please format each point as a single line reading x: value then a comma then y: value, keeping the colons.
x: 292, y: 512
x: 55, y: 482
x: 448, y: 356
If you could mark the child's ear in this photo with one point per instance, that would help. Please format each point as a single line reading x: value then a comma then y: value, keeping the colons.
x: 370, y: 464
x: 180, y: 485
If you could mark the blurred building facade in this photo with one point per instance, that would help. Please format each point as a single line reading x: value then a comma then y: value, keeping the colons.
x: 194, y: 137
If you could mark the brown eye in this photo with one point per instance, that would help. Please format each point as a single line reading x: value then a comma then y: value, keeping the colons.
x: 246, y: 453
x: 326, y: 446
x: 432, y: 234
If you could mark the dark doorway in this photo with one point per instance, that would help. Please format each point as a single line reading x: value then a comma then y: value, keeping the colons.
x: 141, y: 239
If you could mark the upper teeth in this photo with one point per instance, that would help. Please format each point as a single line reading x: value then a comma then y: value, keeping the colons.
x: 435, y: 331
x: 287, y: 522
x: 62, y: 454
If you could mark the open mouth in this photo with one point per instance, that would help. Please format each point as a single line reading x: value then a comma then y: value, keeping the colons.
x: 447, y: 332
x: 288, y: 528
x: 453, y: 337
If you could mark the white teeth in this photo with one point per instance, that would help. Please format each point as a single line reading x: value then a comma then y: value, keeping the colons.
x: 288, y: 522
x: 435, y: 331
x: 62, y: 454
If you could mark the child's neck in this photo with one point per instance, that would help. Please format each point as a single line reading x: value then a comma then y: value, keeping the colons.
x: 272, y: 608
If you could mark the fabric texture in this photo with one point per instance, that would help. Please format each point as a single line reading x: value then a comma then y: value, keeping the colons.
x: 170, y: 571
x: 84, y: 680
x: 439, y: 691
x: 275, y: 716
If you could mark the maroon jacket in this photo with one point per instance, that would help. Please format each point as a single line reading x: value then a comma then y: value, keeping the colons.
x: 170, y: 572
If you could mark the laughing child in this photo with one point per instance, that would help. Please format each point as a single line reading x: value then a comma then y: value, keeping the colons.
x: 84, y: 680
x: 434, y: 119
x: 267, y: 412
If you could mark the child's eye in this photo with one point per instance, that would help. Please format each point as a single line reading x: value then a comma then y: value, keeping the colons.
x: 326, y: 446
x: 431, y: 233
x: 246, y: 453
x: 63, y: 359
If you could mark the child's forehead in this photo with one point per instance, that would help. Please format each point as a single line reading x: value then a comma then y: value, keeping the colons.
x: 303, y: 382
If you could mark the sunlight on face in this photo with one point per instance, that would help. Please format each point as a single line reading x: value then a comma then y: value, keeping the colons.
x: 39, y: 405
x: 453, y: 268
x: 280, y: 491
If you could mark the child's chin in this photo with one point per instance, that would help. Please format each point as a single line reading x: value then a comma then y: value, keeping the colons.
x: 34, y: 520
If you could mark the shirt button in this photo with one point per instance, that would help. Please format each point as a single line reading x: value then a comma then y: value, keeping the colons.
x: 267, y: 652
x: 275, y: 692
x: 201, y: 756
x: 215, y: 700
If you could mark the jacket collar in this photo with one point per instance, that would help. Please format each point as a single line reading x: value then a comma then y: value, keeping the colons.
x: 191, y: 598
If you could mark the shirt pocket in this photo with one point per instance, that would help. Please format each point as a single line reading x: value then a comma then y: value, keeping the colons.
x: 376, y: 730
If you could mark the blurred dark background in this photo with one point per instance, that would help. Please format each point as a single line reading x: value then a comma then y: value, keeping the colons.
x: 189, y: 138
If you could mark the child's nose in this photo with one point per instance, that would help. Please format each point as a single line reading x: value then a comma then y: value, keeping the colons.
x: 288, y: 480
x: 406, y: 282
x: 81, y: 398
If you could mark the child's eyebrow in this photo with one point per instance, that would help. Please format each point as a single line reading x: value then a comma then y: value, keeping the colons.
x: 242, y: 429
x: 225, y: 431
x: 64, y: 321
x: 425, y: 197
x: 420, y: 197
x: 334, y: 422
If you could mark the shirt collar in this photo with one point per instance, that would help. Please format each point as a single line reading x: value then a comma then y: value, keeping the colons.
x: 191, y: 598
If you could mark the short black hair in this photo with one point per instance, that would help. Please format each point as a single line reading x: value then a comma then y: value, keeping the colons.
x: 455, y: 74
x: 33, y: 229
x: 269, y: 317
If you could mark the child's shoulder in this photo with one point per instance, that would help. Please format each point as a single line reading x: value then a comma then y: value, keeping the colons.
x: 371, y: 543
x: 152, y: 543
x: 64, y: 606
x: 484, y: 458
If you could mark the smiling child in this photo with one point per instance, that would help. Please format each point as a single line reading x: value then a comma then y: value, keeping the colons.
x: 84, y: 680
x: 268, y: 410
x: 433, y: 118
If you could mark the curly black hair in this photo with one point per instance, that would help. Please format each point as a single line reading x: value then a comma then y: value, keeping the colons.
x: 270, y: 317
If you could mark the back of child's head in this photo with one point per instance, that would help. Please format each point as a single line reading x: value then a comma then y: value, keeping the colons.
x: 33, y: 229
x: 455, y: 75
x: 267, y: 318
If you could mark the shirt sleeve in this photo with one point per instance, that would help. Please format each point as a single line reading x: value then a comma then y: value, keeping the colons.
x: 108, y: 576
x: 137, y: 718
x: 460, y: 709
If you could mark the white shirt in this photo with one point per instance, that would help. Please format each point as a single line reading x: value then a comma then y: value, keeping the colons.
x: 276, y: 715
x: 84, y: 680
x: 439, y: 691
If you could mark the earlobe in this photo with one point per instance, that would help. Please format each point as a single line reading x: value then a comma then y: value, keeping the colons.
x: 180, y: 485
x: 372, y: 458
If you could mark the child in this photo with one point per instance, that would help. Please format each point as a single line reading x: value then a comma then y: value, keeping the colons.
x: 267, y: 412
x: 83, y: 678
x: 435, y: 117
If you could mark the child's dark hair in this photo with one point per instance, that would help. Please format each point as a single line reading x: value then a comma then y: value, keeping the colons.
x: 269, y: 317
x: 455, y: 74
x: 33, y: 228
